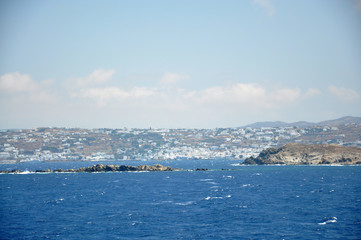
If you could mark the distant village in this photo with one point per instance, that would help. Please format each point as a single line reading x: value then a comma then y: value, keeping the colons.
x: 76, y: 144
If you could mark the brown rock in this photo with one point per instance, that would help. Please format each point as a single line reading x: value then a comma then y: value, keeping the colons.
x: 302, y: 154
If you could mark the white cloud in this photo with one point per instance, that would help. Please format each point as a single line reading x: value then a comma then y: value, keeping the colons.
x: 266, y: 5
x: 236, y: 93
x: 98, y: 76
x: 106, y: 95
x: 312, y: 92
x: 283, y: 96
x: 43, y: 97
x: 247, y: 95
x: 213, y: 98
x: 103, y: 93
x: 172, y: 78
x: 344, y: 94
x: 17, y: 82
x: 21, y: 89
x: 223, y: 105
x: 109, y: 94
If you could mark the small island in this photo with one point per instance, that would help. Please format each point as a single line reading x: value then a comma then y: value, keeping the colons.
x: 103, y: 168
x: 303, y: 154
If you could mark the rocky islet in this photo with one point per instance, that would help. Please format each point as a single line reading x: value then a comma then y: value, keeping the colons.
x: 103, y: 168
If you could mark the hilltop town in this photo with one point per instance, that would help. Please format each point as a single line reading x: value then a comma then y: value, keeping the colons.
x: 103, y: 144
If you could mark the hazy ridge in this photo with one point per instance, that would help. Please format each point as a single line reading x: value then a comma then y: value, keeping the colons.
x: 334, y: 122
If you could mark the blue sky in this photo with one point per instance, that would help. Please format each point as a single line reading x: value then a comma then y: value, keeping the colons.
x: 173, y: 64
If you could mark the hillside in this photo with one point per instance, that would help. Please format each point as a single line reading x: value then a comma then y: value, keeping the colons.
x: 341, y: 121
x: 330, y: 123
x: 302, y: 154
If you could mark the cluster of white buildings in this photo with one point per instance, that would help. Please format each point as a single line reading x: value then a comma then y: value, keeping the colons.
x: 64, y: 144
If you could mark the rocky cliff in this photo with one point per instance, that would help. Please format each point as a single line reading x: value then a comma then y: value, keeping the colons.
x: 301, y: 154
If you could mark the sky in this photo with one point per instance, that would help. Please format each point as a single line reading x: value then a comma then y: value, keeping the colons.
x: 177, y: 64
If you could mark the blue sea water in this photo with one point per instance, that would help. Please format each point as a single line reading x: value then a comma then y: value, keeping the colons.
x: 250, y: 202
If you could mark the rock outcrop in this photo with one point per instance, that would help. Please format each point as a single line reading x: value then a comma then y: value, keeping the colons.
x: 301, y: 154
x: 104, y: 168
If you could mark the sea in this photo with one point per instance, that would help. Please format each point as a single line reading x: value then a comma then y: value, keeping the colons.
x: 243, y: 202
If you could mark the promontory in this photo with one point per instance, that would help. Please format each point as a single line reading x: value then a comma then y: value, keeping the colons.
x: 303, y: 154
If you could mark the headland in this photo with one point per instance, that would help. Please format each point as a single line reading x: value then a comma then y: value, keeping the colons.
x: 303, y: 154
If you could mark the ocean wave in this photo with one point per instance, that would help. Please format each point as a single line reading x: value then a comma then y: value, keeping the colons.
x: 161, y: 203
x: 211, y: 198
x: 332, y: 220
x: 213, y: 183
x: 235, y: 164
x: 227, y: 177
x: 21, y: 173
x: 185, y: 203
x: 26, y: 172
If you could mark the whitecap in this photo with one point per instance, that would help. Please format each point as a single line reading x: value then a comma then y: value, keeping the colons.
x: 214, y: 183
x: 236, y: 164
x: 161, y: 203
x: 26, y: 172
x: 246, y: 185
x: 210, y: 198
x: 228, y: 176
x: 185, y: 203
x: 136, y: 222
x: 206, y: 180
x: 332, y: 220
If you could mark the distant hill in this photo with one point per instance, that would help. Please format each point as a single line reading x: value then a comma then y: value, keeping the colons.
x: 341, y: 121
x: 267, y: 124
x: 335, y: 122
